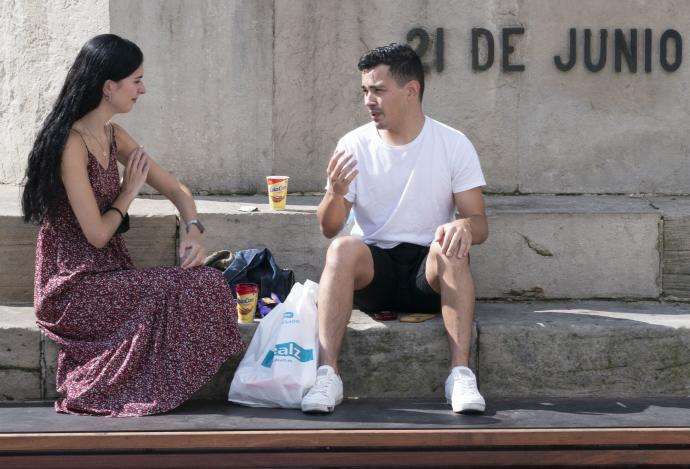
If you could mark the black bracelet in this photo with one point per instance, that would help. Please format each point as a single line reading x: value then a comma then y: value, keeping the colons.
x: 124, y: 224
x: 122, y: 215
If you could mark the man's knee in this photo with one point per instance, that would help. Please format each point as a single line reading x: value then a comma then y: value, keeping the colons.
x: 449, y: 263
x: 347, y: 250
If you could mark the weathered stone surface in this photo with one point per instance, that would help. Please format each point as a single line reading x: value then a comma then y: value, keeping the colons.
x: 585, y: 349
x: 19, y: 339
x: 152, y: 237
x: 565, y: 247
x: 534, y: 349
x: 151, y: 241
x: 569, y: 247
x: 207, y: 116
x: 676, y: 248
x: 17, y: 259
x: 259, y: 87
x: 604, y: 132
x: 292, y: 235
x: 379, y: 359
x: 395, y: 359
x: 38, y: 43
x: 49, y: 367
x: 20, y: 385
x: 317, y: 98
x: 539, y: 246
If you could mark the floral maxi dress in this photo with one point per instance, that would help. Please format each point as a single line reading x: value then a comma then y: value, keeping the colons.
x: 133, y: 341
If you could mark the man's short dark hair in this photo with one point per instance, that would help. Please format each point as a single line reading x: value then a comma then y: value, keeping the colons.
x: 402, y: 60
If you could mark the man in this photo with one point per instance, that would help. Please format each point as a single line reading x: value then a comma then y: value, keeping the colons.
x: 404, y: 174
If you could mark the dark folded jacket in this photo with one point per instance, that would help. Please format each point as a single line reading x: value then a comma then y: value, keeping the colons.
x: 260, y: 267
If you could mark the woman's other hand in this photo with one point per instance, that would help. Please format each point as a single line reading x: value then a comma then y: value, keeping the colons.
x: 192, y: 252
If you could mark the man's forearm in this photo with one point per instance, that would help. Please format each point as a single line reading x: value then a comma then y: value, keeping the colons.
x: 332, y: 213
x: 479, y: 228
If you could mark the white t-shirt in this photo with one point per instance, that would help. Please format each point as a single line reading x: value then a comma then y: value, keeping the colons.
x: 403, y: 193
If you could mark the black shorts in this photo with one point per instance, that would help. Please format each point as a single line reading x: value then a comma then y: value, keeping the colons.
x: 399, y: 282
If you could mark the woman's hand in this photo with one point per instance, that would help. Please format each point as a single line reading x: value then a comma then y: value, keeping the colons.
x: 136, y: 171
x: 192, y: 252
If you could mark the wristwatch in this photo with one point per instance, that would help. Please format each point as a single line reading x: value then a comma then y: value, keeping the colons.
x: 196, y: 222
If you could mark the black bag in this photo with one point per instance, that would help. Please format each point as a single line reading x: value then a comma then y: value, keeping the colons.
x: 260, y: 267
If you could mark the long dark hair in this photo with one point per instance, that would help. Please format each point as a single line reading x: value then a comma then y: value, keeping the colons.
x: 104, y: 57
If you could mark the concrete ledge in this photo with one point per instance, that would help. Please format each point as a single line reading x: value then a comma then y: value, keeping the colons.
x: 584, y: 349
x: 574, y: 247
x: 292, y: 235
x: 544, y: 247
x: 676, y: 260
x: 567, y: 247
x: 20, y: 354
x: 597, y: 349
x: 151, y: 241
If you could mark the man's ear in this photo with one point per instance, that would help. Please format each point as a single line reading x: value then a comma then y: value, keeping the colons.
x: 412, y: 89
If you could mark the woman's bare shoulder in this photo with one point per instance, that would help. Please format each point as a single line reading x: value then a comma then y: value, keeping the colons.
x: 75, y: 151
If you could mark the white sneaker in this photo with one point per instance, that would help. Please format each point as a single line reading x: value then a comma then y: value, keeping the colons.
x: 461, y: 391
x: 326, y: 393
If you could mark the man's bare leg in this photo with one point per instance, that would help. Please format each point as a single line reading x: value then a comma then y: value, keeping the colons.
x: 349, y: 267
x: 451, y: 277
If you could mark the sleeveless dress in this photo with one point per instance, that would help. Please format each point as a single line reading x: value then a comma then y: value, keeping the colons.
x: 134, y: 341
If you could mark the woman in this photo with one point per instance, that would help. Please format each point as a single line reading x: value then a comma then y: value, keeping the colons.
x: 133, y: 341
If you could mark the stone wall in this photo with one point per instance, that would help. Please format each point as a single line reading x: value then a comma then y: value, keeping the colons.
x: 38, y: 42
x: 240, y: 89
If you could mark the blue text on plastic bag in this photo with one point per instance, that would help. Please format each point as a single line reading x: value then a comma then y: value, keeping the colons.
x: 286, y: 350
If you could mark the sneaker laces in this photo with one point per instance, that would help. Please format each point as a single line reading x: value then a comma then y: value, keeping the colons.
x: 467, y: 384
x: 322, y: 384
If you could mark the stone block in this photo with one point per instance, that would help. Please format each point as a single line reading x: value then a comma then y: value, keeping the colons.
x: 324, y: 40
x: 379, y: 359
x: 49, y: 368
x: 17, y: 259
x: 151, y: 241
x: 599, y: 349
x: 584, y: 349
x: 259, y: 87
x: 539, y: 246
x: 152, y: 237
x: 292, y: 235
x: 569, y: 247
x: 38, y: 43
x: 395, y: 359
x: 603, y: 132
x: 209, y: 75
x: 676, y: 245
x: 20, y: 385
x: 20, y: 339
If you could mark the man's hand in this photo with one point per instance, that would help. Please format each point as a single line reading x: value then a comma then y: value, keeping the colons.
x: 455, y: 237
x: 341, y: 172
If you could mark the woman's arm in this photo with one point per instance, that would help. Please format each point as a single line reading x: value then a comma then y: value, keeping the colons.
x: 192, y: 251
x: 98, y: 228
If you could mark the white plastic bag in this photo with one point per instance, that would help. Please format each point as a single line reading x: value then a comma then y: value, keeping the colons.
x: 280, y: 364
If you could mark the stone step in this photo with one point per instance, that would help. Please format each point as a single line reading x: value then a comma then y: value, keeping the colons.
x: 529, y: 349
x: 151, y: 241
x: 545, y: 247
